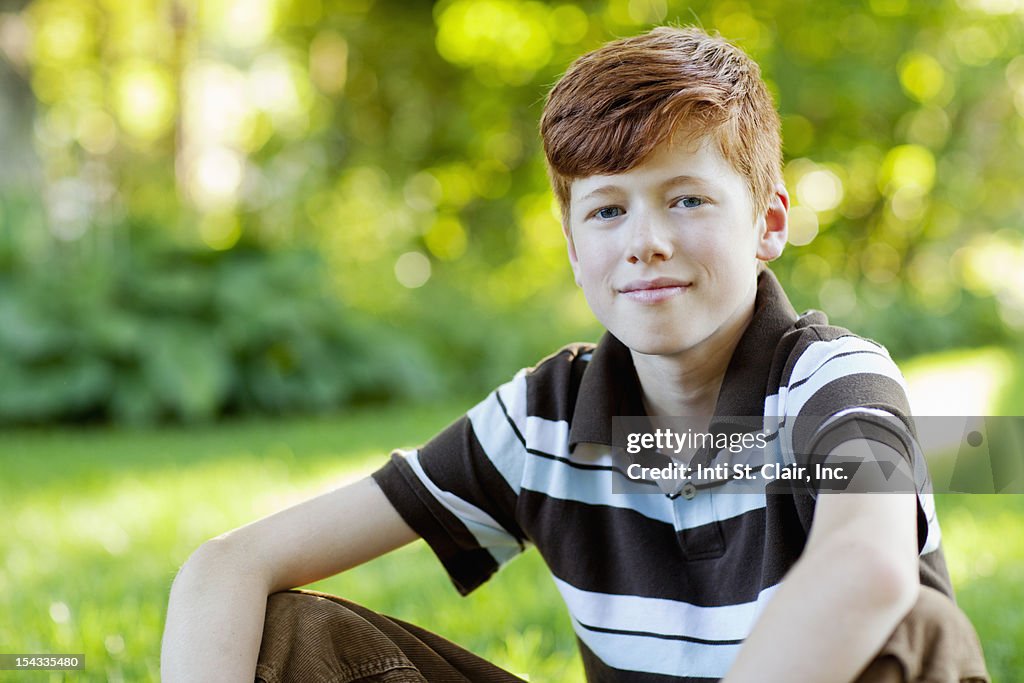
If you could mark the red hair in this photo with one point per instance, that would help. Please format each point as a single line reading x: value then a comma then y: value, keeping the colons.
x: 617, y: 104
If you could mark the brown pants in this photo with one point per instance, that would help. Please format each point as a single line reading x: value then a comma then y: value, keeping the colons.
x: 310, y: 637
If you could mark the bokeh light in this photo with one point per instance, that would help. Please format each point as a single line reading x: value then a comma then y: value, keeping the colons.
x: 503, y: 38
x: 144, y: 99
x: 412, y: 269
x: 803, y: 225
x: 820, y: 190
x: 907, y: 166
x: 921, y: 76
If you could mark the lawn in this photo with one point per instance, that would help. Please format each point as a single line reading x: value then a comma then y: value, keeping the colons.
x: 98, y: 520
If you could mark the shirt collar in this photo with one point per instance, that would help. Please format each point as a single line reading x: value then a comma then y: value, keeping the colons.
x: 610, y: 386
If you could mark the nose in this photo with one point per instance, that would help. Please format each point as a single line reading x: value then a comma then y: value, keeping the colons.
x: 649, y: 239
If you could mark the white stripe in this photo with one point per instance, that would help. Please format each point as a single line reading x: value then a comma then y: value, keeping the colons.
x: 837, y: 369
x: 487, y: 532
x: 810, y: 369
x: 665, y: 617
x: 496, y: 436
x: 934, y: 537
x: 657, y: 655
x: 595, y: 487
x: 662, y: 616
x: 549, y: 436
x: 818, y: 353
x: 718, y: 503
x: 726, y: 505
x: 513, y: 395
x: 593, y: 454
x: 896, y: 421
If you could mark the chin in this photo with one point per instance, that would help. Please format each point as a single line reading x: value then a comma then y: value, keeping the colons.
x: 654, y: 344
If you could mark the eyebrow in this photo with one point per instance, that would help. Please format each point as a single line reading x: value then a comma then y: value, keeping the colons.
x: 605, y: 190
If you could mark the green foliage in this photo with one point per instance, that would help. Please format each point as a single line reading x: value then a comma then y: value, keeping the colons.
x: 399, y: 141
x: 189, y: 335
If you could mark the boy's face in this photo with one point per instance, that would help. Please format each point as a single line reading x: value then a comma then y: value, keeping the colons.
x: 666, y: 253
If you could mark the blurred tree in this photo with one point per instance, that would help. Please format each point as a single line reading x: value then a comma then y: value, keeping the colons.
x: 399, y: 141
x: 17, y: 108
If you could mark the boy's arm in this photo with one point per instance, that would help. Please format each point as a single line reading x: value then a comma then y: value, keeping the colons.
x: 855, y: 581
x: 218, y: 600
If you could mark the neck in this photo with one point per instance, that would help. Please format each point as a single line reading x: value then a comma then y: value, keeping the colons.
x: 688, y: 383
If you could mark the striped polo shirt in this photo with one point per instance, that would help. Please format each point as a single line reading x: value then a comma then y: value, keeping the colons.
x: 658, y: 587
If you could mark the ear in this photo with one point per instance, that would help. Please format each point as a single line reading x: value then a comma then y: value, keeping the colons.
x: 773, y: 226
x: 571, y: 246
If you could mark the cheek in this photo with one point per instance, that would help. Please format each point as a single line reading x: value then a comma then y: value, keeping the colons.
x: 591, y: 262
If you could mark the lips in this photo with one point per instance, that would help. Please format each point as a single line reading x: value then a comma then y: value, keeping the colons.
x: 654, y: 291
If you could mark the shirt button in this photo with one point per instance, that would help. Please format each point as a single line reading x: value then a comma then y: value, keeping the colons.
x: 689, y: 490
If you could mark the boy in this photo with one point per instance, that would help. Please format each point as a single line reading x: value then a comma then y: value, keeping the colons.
x: 664, y: 154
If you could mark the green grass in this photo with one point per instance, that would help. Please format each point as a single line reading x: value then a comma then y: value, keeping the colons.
x: 96, y: 522
x: 985, y: 552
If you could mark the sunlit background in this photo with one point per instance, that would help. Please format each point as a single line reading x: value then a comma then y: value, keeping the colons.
x: 204, y: 201
x: 217, y: 213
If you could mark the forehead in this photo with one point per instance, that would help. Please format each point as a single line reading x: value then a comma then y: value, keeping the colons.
x: 681, y: 160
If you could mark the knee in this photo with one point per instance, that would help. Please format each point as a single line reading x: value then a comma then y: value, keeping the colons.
x: 936, y: 642
x: 301, y: 618
x: 306, y: 637
x: 936, y: 620
x: 295, y: 605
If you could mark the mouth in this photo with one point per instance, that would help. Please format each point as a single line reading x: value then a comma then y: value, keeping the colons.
x: 654, y: 291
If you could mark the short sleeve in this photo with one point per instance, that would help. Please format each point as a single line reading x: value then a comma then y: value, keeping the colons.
x: 459, y: 491
x: 846, y: 388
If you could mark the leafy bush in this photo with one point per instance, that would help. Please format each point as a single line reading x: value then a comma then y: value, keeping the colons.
x: 189, y: 335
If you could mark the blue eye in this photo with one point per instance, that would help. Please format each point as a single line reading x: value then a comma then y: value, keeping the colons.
x: 608, y: 212
x: 691, y: 202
